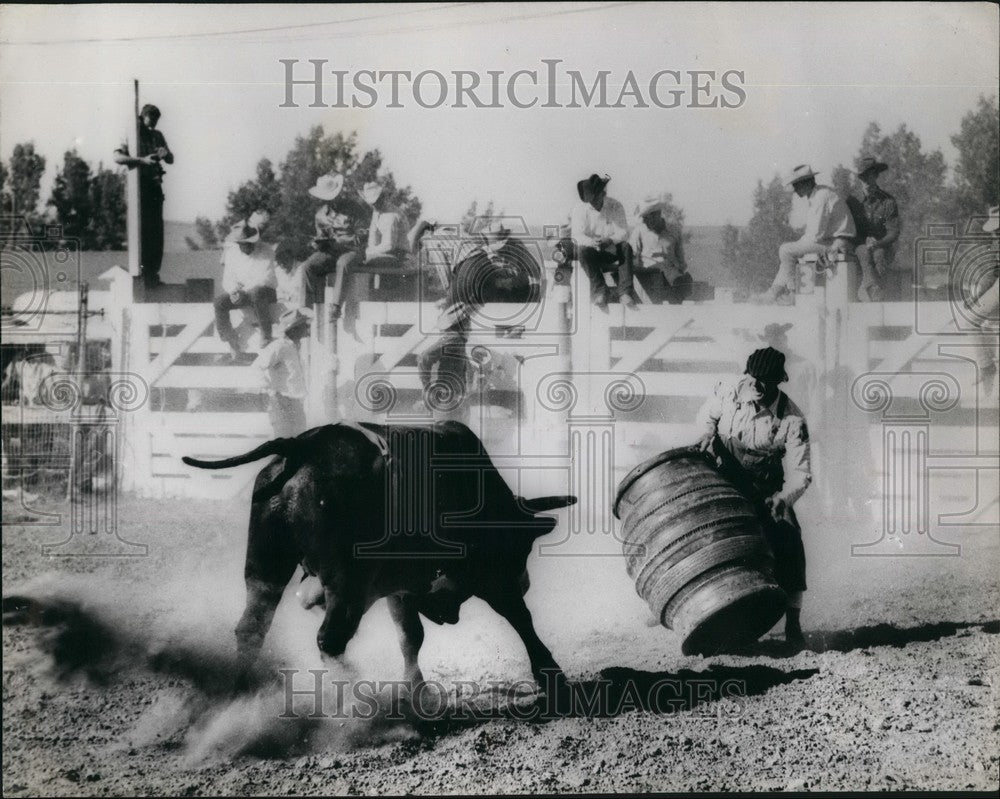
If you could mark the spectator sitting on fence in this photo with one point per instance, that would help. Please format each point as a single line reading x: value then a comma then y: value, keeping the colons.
x: 600, y: 236
x: 657, y: 245
x: 284, y: 376
x: 829, y: 230
x: 248, y: 281
x: 289, y: 277
x: 387, y: 242
x: 876, y: 219
x: 336, y: 252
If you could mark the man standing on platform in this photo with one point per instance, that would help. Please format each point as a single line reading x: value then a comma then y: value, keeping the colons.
x: 762, y: 439
x: 153, y: 153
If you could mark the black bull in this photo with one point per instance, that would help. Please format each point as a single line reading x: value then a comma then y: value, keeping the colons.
x: 415, y: 514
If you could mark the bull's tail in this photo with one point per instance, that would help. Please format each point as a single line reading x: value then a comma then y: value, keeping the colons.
x: 279, y: 446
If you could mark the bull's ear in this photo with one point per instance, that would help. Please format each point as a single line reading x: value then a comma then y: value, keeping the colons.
x: 542, y: 504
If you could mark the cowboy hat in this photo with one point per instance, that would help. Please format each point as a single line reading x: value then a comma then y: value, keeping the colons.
x: 327, y: 186
x: 994, y: 221
x: 767, y: 365
x: 648, y: 205
x: 294, y: 318
x: 867, y: 164
x: 258, y: 218
x: 594, y: 184
x: 774, y: 330
x: 495, y: 230
x: 247, y: 234
x: 371, y: 191
x: 801, y: 172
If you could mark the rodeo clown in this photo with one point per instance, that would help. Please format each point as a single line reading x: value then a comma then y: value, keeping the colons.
x: 761, y: 438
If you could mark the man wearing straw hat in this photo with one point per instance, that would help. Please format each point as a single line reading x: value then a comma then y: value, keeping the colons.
x: 829, y: 229
x: 877, y: 220
x: 656, y: 246
x: 335, y: 243
x: 248, y: 281
x: 761, y: 439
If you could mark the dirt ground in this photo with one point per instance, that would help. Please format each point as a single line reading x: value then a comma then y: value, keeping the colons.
x: 121, y: 687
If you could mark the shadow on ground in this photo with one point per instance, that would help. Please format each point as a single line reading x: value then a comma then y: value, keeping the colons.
x: 867, y: 638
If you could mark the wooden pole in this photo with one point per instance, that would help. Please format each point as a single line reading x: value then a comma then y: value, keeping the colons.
x: 329, y: 358
x: 134, y: 240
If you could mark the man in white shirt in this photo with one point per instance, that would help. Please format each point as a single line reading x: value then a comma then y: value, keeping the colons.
x: 656, y: 245
x: 829, y: 229
x: 387, y: 243
x: 749, y: 422
x: 247, y: 281
x: 284, y: 377
x: 600, y: 237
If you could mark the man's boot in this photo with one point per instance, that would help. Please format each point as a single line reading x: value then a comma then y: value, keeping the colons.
x: 793, y: 629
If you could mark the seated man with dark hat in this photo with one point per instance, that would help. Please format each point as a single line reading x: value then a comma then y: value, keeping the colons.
x: 877, y: 220
x: 600, y: 234
x: 762, y: 439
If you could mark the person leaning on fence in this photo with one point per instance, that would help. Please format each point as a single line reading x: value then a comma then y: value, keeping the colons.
x: 284, y: 377
x: 336, y: 250
x: 655, y: 245
x: 600, y: 237
x: 493, y: 270
x: 876, y: 219
x: 829, y: 230
x: 247, y: 281
x: 153, y: 153
x: 761, y: 437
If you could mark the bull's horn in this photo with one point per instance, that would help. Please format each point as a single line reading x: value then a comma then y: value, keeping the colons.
x: 542, y: 504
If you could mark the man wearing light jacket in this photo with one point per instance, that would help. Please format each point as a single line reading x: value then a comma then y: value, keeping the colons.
x: 829, y: 229
x: 758, y: 431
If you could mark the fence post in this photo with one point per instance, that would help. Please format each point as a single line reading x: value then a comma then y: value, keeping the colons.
x: 329, y: 358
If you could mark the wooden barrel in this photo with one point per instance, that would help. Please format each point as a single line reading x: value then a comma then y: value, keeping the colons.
x: 693, y: 544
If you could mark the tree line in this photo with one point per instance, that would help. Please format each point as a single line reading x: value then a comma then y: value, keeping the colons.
x: 916, y: 178
x: 88, y: 204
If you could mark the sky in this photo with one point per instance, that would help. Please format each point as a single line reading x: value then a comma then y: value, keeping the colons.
x: 815, y: 75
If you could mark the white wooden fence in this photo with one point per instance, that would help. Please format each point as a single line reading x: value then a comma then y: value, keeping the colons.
x: 891, y: 387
